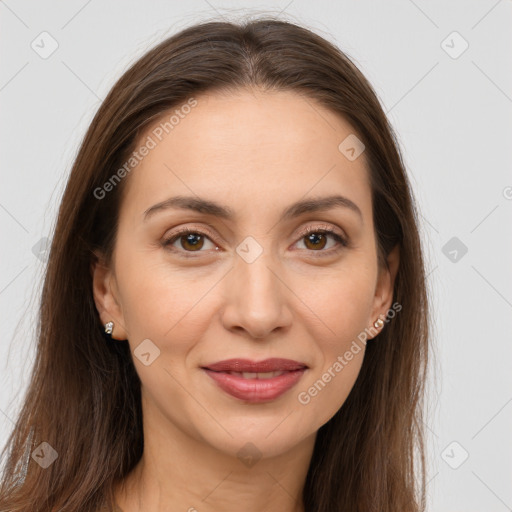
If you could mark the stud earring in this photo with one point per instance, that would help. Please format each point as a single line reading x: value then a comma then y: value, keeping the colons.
x: 378, y: 323
x: 109, y: 327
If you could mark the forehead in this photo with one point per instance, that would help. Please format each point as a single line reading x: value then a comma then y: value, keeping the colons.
x: 247, y: 147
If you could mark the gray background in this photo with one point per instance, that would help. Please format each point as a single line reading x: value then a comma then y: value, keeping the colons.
x: 452, y: 112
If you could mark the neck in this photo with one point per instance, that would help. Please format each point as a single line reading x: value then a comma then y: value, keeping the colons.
x: 179, y: 471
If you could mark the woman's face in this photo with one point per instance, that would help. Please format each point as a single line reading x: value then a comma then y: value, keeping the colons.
x: 248, y: 282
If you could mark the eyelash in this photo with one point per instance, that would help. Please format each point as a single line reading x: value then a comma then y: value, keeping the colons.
x: 343, y: 243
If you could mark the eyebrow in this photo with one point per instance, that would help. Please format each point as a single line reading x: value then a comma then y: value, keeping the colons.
x: 206, y: 207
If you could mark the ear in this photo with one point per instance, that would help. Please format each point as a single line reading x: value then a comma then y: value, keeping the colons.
x: 384, y: 289
x: 106, y: 297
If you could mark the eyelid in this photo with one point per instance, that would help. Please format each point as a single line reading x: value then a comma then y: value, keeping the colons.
x: 323, y: 227
x: 198, y: 230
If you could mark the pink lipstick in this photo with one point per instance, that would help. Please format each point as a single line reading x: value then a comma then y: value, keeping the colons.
x: 256, y: 381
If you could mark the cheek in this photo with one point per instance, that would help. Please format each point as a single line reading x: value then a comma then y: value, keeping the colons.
x: 325, y: 392
x: 343, y: 309
x: 342, y: 302
x: 162, y: 303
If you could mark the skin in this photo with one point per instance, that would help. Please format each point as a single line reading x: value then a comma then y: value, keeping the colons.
x: 256, y: 152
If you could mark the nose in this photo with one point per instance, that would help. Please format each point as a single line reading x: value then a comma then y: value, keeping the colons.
x: 257, y: 298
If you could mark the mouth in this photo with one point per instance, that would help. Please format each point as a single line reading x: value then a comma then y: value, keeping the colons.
x: 253, y: 381
x: 255, y: 375
x: 248, y: 366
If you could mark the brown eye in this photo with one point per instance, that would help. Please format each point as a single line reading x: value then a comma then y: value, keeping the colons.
x: 192, y: 241
x: 189, y: 240
x: 316, y: 239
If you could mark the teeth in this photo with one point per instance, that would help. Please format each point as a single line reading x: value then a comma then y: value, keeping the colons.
x: 260, y: 375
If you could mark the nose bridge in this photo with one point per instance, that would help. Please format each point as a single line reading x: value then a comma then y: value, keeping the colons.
x: 256, y: 299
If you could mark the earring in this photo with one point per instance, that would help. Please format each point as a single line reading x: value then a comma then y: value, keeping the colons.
x: 378, y: 323
x: 109, y: 327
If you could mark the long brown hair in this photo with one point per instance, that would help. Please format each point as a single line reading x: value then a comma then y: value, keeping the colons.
x: 84, y: 395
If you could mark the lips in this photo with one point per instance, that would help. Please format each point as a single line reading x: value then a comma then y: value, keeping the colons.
x: 246, y: 365
x: 256, y: 381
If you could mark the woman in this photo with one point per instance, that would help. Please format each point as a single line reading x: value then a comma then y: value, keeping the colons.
x: 234, y: 314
